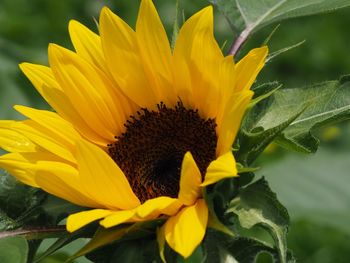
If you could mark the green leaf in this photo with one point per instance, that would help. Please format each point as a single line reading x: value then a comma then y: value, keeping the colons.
x: 13, y: 250
x: 329, y: 103
x: 258, y: 205
x: 222, y: 248
x: 290, y: 116
x: 20, y: 202
x: 247, y: 16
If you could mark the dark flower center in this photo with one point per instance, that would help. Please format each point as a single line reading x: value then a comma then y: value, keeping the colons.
x: 151, y: 150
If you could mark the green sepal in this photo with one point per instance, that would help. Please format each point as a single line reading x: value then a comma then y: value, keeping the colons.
x: 283, y: 50
x: 65, y: 239
x: 242, y: 169
x: 104, y: 237
x: 213, y: 221
x: 143, y: 250
x: 254, y: 139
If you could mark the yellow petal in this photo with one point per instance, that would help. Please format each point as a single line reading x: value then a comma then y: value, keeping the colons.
x: 190, y: 180
x: 152, y: 36
x: 152, y: 208
x: 62, y: 180
x: 48, y: 171
x: 49, y: 124
x: 103, y: 179
x: 223, y: 167
x: 57, y: 127
x: 230, y: 121
x: 12, y: 140
x: 87, y: 44
x: 182, y: 82
x: 227, y: 78
x: 19, y: 167
x: 44, y: 81
x: 66, y: 109
x: 122, y: 54
x: 225, y: 86
x: 195, y: 39
x: 155, y: 50
x: 249, y: 67
x: 78, y: 220
x: 45, y: 139
x: 40, y: 76
x: 197, y: 28
x: 89, y: 90
x: 118, y: 218
x: 185, y: 231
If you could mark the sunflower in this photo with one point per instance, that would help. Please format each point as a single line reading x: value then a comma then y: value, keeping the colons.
x: 138, y: 129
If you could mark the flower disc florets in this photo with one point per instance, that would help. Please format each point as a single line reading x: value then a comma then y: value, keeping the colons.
x: 151, y: 150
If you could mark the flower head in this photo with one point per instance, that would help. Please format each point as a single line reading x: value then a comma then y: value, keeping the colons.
x: 138, y: 129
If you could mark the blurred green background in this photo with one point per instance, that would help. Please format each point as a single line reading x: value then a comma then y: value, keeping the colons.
x: 315, y: 188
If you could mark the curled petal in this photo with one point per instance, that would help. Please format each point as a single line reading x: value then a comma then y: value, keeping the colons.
x: 190, y: 180
x: 161, y: 205
x: 118, y: 218
x: 222, y: 167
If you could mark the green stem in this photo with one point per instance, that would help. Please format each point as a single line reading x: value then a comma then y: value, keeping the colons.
x: 36, y: 233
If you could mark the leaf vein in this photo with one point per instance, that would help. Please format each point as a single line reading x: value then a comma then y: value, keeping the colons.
x: 334, y: 111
